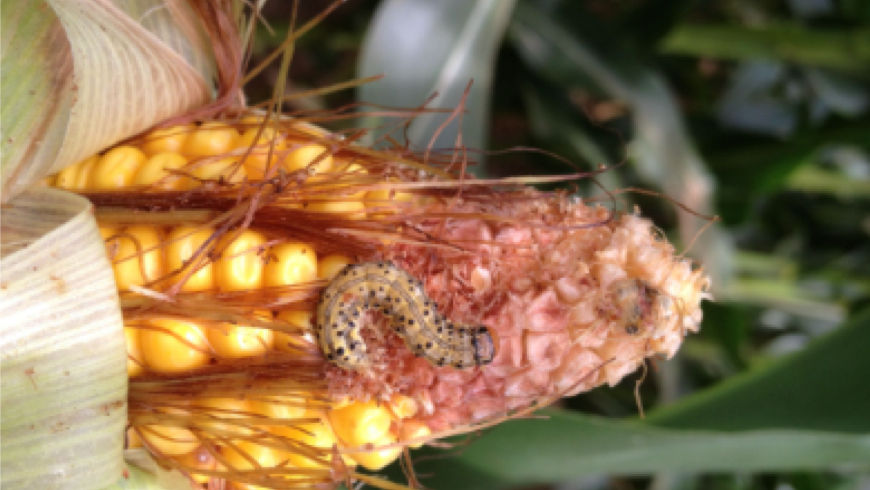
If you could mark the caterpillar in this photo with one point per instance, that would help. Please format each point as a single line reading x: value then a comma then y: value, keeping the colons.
x: 400, y: 297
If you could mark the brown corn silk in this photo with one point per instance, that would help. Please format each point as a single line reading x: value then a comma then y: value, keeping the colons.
x: 575, y: 294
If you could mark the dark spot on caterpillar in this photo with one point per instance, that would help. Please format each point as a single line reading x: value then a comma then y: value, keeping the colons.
x: 381, y: 283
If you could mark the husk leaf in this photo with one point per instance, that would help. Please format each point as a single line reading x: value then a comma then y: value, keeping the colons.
x: 79, y: 75
x: 63, y: 360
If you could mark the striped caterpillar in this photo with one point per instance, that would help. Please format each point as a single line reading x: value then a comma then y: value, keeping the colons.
x: 400, y: 297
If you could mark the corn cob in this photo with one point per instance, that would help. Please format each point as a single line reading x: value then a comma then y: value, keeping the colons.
x: 575, y: 296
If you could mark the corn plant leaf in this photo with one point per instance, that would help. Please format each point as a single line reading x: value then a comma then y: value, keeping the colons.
x: 843, y: 49
x: 819, y: 388
x: 424, y: 48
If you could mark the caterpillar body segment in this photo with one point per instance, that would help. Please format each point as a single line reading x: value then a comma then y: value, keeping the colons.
x: 384, y: 287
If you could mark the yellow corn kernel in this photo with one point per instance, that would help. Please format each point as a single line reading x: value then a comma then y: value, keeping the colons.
x: 331, y: 265
x: 258, y: 159
x: 169, y: 440
x: 385, y: 200
x: 317, y: 435
x: 240, y: 266
x: 379, y: 457
x: 173, y: 346
x: 183, y: 242
x: 135, y: 364
x: 224, y: 408
x: 156, y: 172
x: 247, y: 455
x: 360, y: 423
x: 132, y: 438
x: 234, y: 341
x: 116, y: 168
x: 412, y: 430
x: 227, y: 170
x: 282, y: 407
x: 403, y: 406
x: 137, y: 256
x: 198, y: 459
x: 169, y: 140
x: 108, y: 232
x: 305, y: 156
x: 290, y: 263
x: 211, y: 138
x: 310, y: 129
x: 76, y: 177
x: 294, y: 342
x: 348, y: 167
x: 340, y: 205
x: 265, y: 457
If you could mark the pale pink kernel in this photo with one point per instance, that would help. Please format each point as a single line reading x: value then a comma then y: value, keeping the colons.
x: 481, y: 279
x: 545, y: 350
x: 546, y: 313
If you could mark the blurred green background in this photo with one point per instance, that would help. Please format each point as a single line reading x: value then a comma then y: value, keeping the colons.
x: 756, y: 111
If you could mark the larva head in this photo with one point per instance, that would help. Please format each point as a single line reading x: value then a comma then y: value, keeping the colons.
x: 484, y: 343
x: 634, y: 300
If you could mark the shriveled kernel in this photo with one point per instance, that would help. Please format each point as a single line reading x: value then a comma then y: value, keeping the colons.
x: 77, y: 177
x: 173, y: 346
x: 380, y: 456
x: 235, y: 341
x: 169, y: 139
x: 136, y: 256
x: 169, y: 440
x: 240, y: 266
x: 211, y: 138
x: 116, y: 169
x: 331, y: 265
x: 295, y: 342
x: 135, y: 364
x: 183, y: 242
x: 360, y: 423
x: 156, y: 172
x: 316, y: 158
x: 290, y: 263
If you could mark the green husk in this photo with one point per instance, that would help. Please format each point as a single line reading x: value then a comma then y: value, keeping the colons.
x: 63, y: 360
